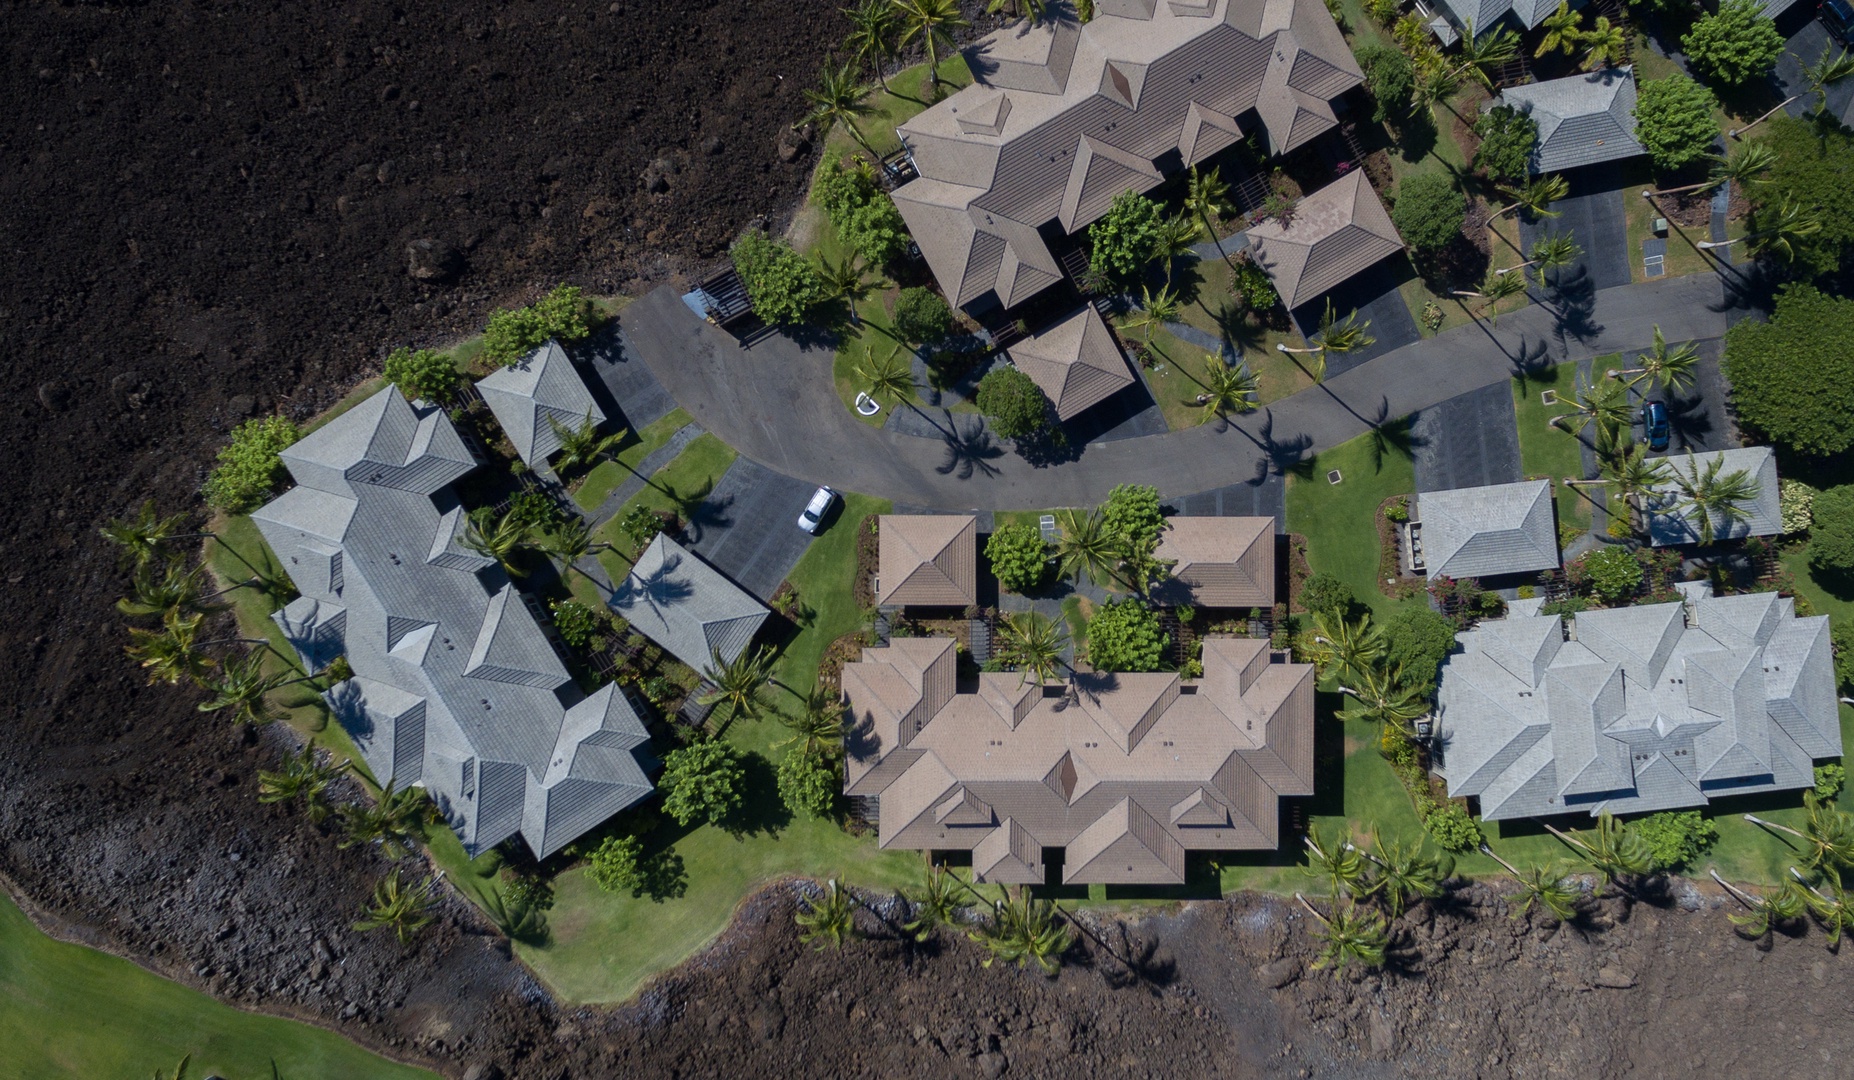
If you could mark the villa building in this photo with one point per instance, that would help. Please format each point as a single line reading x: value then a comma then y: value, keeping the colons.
x: 530, y: 397
x: 927, y: 560
x: 1482, y: 531
x: 1672, y: 521
x: 1335, y: 232
x: 1583, y: 119
x: 456, y: 686
x: 1218, y: 562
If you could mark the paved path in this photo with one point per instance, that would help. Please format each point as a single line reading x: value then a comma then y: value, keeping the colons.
x: 653, y: 461
x: 775, y: 403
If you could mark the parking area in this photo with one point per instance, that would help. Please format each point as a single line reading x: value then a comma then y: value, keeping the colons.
x: 625, y: 382
x: 1696, y: 415
x: 1470, y: 440
x: 747, y: 528
x: 1373, y: 295
x: 1594, y: 215
x: 1266, y: 499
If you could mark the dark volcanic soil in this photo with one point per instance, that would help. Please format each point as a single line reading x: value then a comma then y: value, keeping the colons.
x: 207, y: 215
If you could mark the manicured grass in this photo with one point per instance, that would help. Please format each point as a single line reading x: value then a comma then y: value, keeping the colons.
x: 69, y: 1011
x: 639, y: 445
x: 1214, y: 309
x: 694, y: 472
x: 606, y: 945
x: 1548, y: 450
x: 1340, y: 520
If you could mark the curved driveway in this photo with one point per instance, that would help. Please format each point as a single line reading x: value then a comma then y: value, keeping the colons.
x: 775, y: 402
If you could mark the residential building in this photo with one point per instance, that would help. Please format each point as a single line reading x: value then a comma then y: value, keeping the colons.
x: 1123, y: 773
x: 1218, y: 562
x: 927, y: 560
x: 1064, y: 116
x: 1637, y: 709
x: 686, y: 606
x: 1488, y: 15
x: 1583, y: 119
x: 1334, y: 233
x: 1672, y: 521
x: 1076, y: 362
x: 534, y: 395
x: 1483, y: 531
x: 456, y: 685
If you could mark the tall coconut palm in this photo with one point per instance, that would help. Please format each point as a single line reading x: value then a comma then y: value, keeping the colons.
x: 1032, y: 643
x: 1350, y: 935
x: 1435, y: 84
x: 1603, y: 402
x: 1553, y: 252
x: 872, y: 35
x: 1765, y: 913
x: 1561, y: 30
x: 1828, y: 835
x: 145, y: 534
x: 1744, y: 166
x: 1604, y: 44
x: 1335, y: 336
x: 1484, y: 53
x: 739, y: 684
x: 1022, y: 931
x: 244, y: 687
x: 1830, y: 908
x: 1709, y: 497
x: 1155, y: 310
x: 1227, y: 388
x: 394, y: 822
x: 175, y: 586
x: 499, y: 538
x: 888, y: 376
x: 1773, y: 232
x: 827, y: 923
x: 1337, y: 863
x: 581, y: 446
x: 1617, y: 851
x: 1383, y: 695
x: 569, y: 543
x: 817, y: 726
x: 517, y: 916
x: 1494, y: 288
x: 1085, y: 549
x: 1542, y: 886
x: 838, y: 99
x: 1344, y: 647
x: 932, y: 22
x: 933, y: 906
x: 845, y: 279
x: 1535, y: 196
x: 1207, y: 196
x: 173, y: 652
x: 302, y: 777
x: 400, y: 906
x: 1632, y: 473
x: 1826, y: 72
x: 1176, y: 237
x: 1670, y: 368
x: 1405, y: 873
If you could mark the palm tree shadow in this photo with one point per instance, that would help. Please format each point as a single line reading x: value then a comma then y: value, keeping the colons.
x: 968, y: 452
x: 1237, y: 331
x: 1280, y: 456
x: 1576, y: 312
x: 1393, y: 436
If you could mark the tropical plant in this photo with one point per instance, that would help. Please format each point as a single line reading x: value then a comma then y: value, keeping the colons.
x: 301, y: 777
x: 1207, y: 196
x: 142, y: 536
x: 250, y: 466
x: 1429, y: 211
x: 1494, y: 288
x: 616, y: 865
x: 1674, y: 121
x: 934, y: 906
x: 1013, y: 402
x: 1826, y: 72
x: 1508, y: 137
x: 1614, y: 848
x: 1177, y: 237
x: 1829, y: 908
x: 1347, y: 648
x: 1126, y: 238
x: 560, y: 316
x: 1536, y: 196
x: 702, y: 781
x: 1744, y: 166
x: 1086, y: 549
x: 1124, y: 635
x: 1605, y: 44
x: 1552, y: 252
x: 1828, y: 835
x: 1436, y: 83
x: 1335, y: 336
x: 1226, y: 388
x: 394, y: 822
x: 1710, y: 498
x: 1766, y: 912
x: 1385, y: 696
x: 873, y: 29
x: 1405, y: 874
x: 933, y: 23
x: 1735, y: 44
x: 570, y: 543
x: 739, y: 684
x: 1023, y: 930
x: 808, y: 782
x: 1603, y: 402
x: 1775, y: 230
x: 829, y: 923
x: 173, y: 652
x: 400, y: 906
x: 1155, y: 310
x: 1019, y: 556
x: 177, y: 587
x: 243, y: 686
x: 1337, y: 863
x: 838, y: 99
x: 1543, y: 886
x: 1350, y: 935
x: 180, y: 1070
x: 889, y: 377
x: 581, y: 446
x: 845, y: 279
x: 1561, y: 30
x: 516, y: 915
x: 1483, y: 53
x: 922, y: 316
x: 1670, y: 368
x: 498, y: 538
x: 1792, y: 377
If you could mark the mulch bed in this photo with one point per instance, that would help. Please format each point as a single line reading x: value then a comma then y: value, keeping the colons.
x: 1392, y: 581
x: 868, y: 558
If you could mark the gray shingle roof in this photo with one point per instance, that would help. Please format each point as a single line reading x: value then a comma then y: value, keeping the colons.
x: 455, y: 685
x: 1583, y: 119
x: 1486, y: 15
x: 1642, y: 711
x: 1668, y: 523
x: 543, y: 386
x: 1484, y: 531
x: 680, y: 602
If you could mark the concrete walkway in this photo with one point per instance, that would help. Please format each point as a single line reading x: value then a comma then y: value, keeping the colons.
x: 776, y: 404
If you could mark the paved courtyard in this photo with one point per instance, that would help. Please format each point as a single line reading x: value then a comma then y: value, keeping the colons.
x: 747, y: 528
x: 625, y: 379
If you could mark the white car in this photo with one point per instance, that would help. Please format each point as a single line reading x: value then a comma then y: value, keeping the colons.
x: 817, y: 509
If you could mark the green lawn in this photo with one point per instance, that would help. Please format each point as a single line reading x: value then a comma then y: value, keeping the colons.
x: 1340, y: 520
x: 694, y: 472
x: 605, y: 945
x: 69, y: 1011
x: 1548, y: 450
x: 639, y: 445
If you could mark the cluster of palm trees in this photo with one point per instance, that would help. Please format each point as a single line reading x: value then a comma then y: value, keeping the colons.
x: 1016, y: 928
x: 504, y: 537
x: 1603, y: 45
x: 881, y: 29
x: 1368, y: 890
x: 1088, y: 549
x: 1771, y: 229
x: 1356, y: 653
x: 1816, y: 889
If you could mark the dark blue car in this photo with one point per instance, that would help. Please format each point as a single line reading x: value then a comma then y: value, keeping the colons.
x: 1655, y: 425
x: 1838, y: 16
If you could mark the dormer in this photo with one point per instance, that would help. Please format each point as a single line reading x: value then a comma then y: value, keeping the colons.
x: 986, y: 116
x: 1121, y: 81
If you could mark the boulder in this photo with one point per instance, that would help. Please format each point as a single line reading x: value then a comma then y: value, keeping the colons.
x: 433, y: 261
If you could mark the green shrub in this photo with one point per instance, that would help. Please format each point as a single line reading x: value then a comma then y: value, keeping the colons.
x: 1733, y: 45
x: 1126, y: 238
x: 1015, y: 404
x: 1831, y: 541
x: 808, y: 783
x: 640, y: 525
x: 702, y: 781
x: 561, y: 315
x: 1453, y: 828
x: 1124, y: 636
x: 921, y: 316
x: 1398, y: 509
x: 1324, y: 592
x: 1793, y: 376
x: 1253, y: 282
x: 1613, y: 572
x: 1570, y: 605
x: 615, y: 866
x: 782, y: 285
x: 422, y: 374
x: 535, y: 512
x: 1390, y: 79
x: 1842, y: 639
x: 1796, y: 504
x: 1507, y: 138
x: 1429, y: 211
x: 1676, y: 837
x: 865, y: 219
x: 1420, y: 639
x: 1019, y: 556
x: 1384, y: 13
x: 249, y: 468
x: 1132, y: 513
x: 1830, y: 779
x: 576, y: 622
x: 1813, y: 164
x: 1674, y: 121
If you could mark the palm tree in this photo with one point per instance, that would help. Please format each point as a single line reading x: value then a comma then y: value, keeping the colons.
x: 1337, y: 863
x: 1352, y: 647
x: 582, y: 447
x: 1541, y: 885
x: 1829, y: 834
x: 1176, y: 237
x: 1561, y: 30
x: 1494, y: 288
x: 890, y: 377
x: 831, y: 923
x: 1022, y: 931
x: 872, y: 35
x: 1549, y: 253
x: 933, y: 22
x: 847, y: 280
x: 1405, y: 873
x: 1335, y: 336
x: 1825, y: 73
x: 1633, y: 473
x: 1227, y: 388
x: 1383, y: 695
x: 1156, y: 309
x: 1140, y: 567
x: 1085, y: 550
x: 243, y: 687
x: 818, y: 725
x: 1535, y: 196
x: 1207, y: 196
x: 838, y: 99
x: 178, y: 588
x: 1034, y: 10
x: 173, y: 652
x: 1661, y: 366
x: 1033, y: 643
x: 1604, y: 402
x: 1744, y: 166
x: 404, y: 909
x: 1766, y: 913
x: 498, y: 538
x: 934, y: 907
x: 395, y: 821
x: 518, y: 917
x: 1773, y: 234
x: 1349, y: 935
x: 303, y: 776
x: 1604, y: 45
x: 1616, y: 851
x: 180, y: 1070
x: 1483, y: 54
x: 1435, y: 84
x: 1708, y: 498
x: 570, y: 543
x: 1829, y: 908
x: 740, y: 683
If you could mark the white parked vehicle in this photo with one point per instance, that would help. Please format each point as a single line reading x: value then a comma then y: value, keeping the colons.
x: 822, y: 500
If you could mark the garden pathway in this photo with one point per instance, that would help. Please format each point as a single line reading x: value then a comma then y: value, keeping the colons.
x: 653, y: 461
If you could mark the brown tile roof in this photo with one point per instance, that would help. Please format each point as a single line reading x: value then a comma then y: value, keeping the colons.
x: 1223, y: 562
x: 1076, y: 362
x: 1335, y: 232
x: 1063, y: 117
x: 1126, y: 771
x: 928, y: 559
